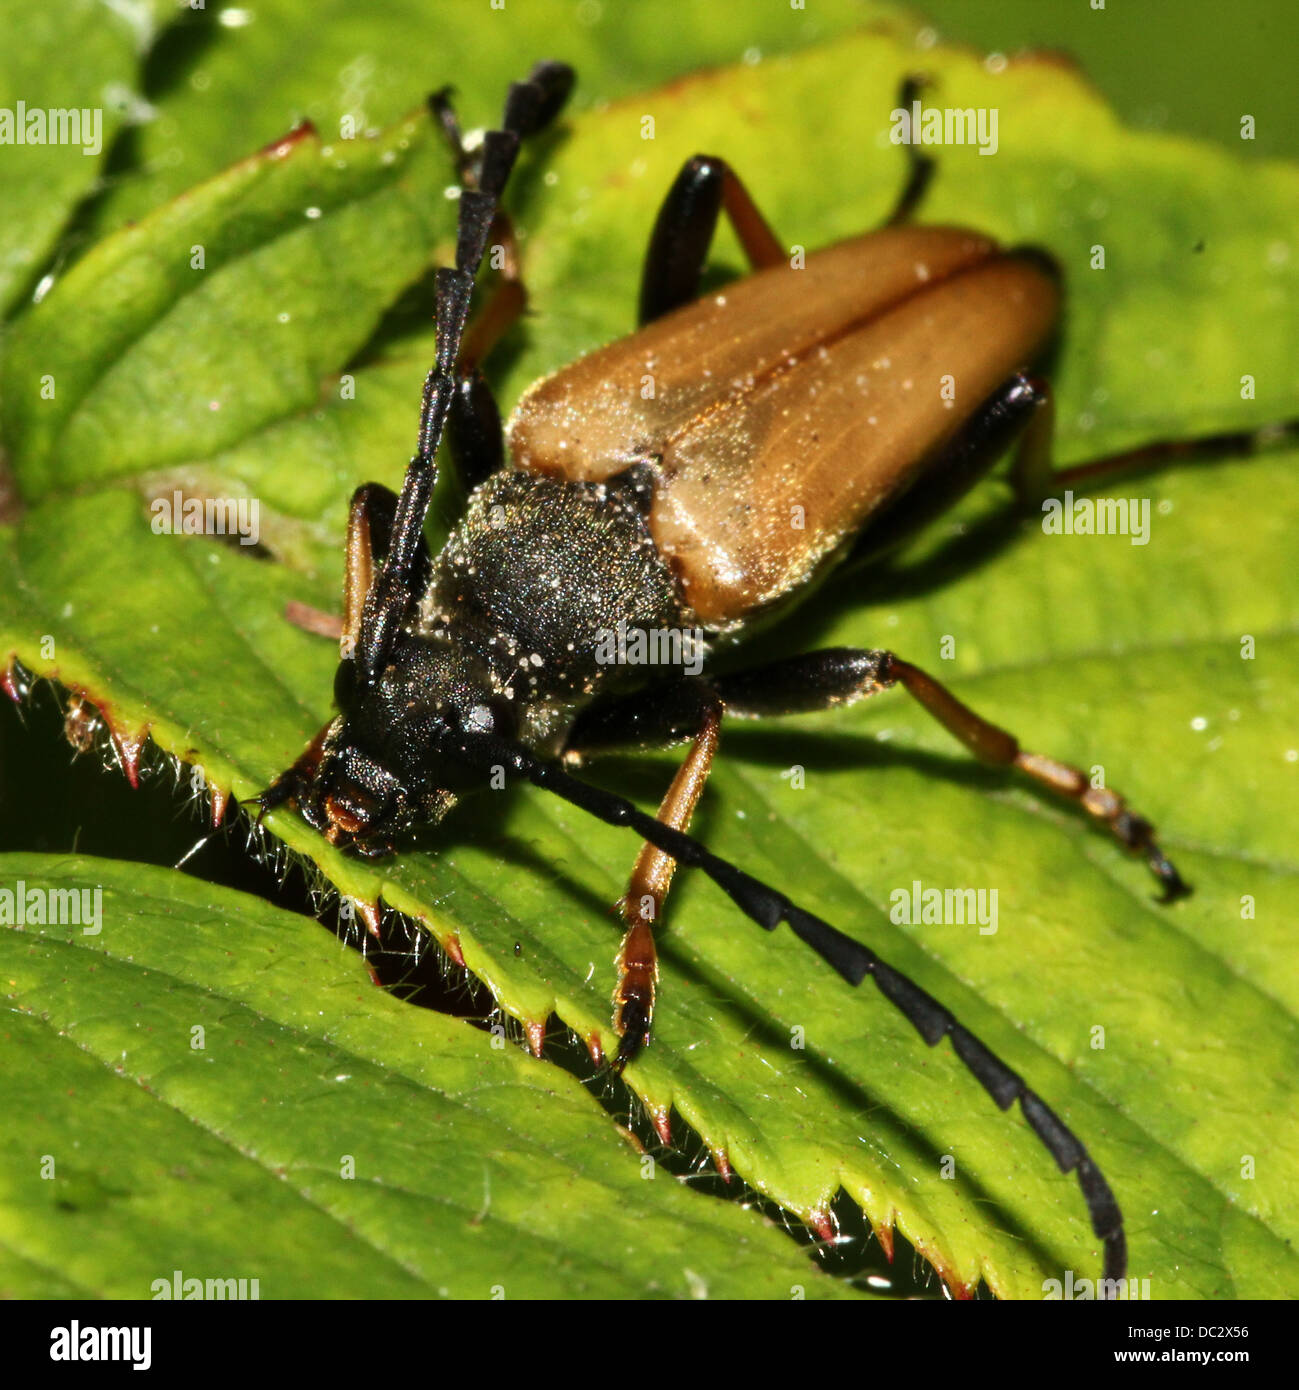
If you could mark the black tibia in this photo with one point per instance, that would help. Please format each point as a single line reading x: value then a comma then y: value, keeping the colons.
x: 661, y: 714
x: 394, y: 595
x: 1036, y: 478
x: 768, y: 907
x: 474, y: 435
x: 673, y: 711
x: 683, y: 232
x: 838, y: 675
x: 920, y: 168
x: 802, y: 684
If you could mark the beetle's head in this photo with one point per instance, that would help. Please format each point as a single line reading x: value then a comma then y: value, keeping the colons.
x: 383, y: 764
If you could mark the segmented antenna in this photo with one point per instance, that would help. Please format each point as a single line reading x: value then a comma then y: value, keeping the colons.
x: 769, y: 908
x: 529, y: 107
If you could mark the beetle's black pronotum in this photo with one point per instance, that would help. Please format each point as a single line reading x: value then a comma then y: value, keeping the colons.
x: 671, y: 513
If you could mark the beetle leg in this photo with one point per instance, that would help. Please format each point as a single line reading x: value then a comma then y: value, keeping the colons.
x: 683, y: 231
x: 769, y: 908
x: 1011, y: 409
x: 370, y: 519
x: 359, y: 564
x: 837, y: 676
x: 656, y: 717
x: 1036, y: 478
x: 820, y: 680
x: 290, y: 784
x: 475, y: 438
x: 920, y: 167
x: 651, y: 877
x: 313, y: 620
x: 369, y: 524
x: 705, y: 188
x: 994, y: 745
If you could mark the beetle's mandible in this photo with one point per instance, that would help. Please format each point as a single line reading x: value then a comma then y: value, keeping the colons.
x: 657, y: 517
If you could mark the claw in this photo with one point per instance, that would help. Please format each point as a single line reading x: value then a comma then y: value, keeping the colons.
x: 1174, y: 885
x: 633, y: 1026
x: 280, y: 791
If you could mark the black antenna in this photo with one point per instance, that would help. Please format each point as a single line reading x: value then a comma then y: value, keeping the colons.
x: 529, y: 107
x: 769, y: 908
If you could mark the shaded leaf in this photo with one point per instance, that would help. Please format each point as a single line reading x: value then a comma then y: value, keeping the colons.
x: 357, y: 69
x: 43, y: 180
x: 208, y: 1085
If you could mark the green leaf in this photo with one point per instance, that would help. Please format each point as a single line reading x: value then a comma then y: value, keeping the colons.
x: 44, y: 179
x: 1090, y: 648
x: 208, y: 1085
x: 357, y: 68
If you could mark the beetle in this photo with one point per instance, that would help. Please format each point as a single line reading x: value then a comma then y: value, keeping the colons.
x: 616, y: 512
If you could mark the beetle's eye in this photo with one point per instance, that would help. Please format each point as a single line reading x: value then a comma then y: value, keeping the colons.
x: 345, y: 685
